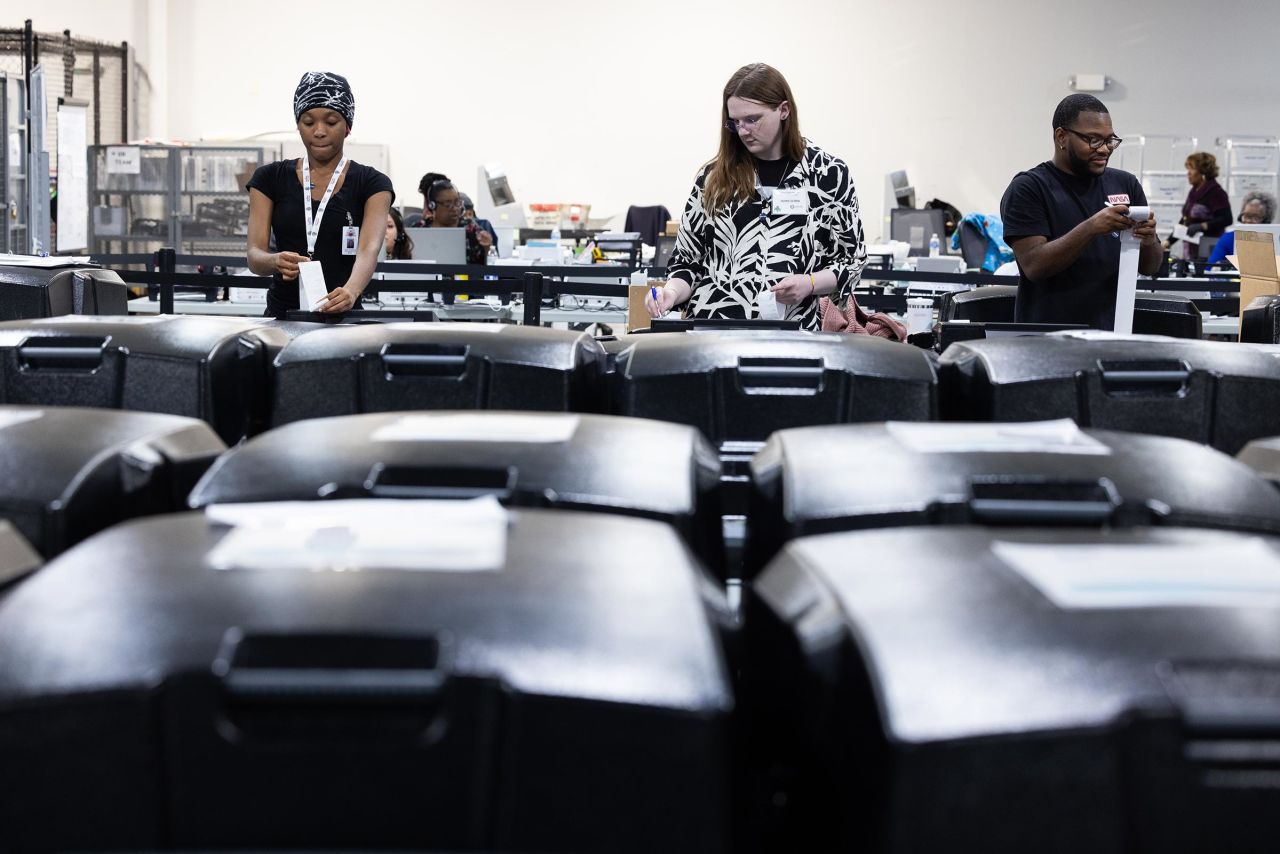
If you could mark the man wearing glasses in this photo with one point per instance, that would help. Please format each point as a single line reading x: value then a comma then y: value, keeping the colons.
x: 1063, y: 220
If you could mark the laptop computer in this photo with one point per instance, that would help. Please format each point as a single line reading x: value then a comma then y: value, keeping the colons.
x: 439, y: 245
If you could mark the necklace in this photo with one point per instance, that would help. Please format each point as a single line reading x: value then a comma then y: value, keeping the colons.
x: 768, y: 199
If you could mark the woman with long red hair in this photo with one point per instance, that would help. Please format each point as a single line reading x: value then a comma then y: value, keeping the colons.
x: 772, y: 220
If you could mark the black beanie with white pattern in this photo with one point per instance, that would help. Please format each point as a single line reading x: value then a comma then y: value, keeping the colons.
x: 324, y: 89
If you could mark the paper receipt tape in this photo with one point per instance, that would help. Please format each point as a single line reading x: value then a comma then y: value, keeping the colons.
x: 1127, y: 280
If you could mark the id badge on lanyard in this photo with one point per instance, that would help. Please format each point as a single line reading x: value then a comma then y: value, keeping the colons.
x: 313, y: 223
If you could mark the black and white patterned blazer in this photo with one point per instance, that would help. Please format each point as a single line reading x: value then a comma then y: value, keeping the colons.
x: 730, y: 259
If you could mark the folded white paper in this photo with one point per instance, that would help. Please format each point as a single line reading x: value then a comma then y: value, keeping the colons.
x: 361, y: 534
x: 479, y: 427
x: 1061, y: 436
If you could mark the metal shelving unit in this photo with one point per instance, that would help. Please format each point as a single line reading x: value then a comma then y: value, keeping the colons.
x: 13, y: 163
x: 1158, y: 161
x: 1248, y: 164
x: 147, y: 196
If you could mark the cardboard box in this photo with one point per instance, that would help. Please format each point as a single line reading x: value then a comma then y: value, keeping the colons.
x: 637, y: 314
x: 1256, y: 260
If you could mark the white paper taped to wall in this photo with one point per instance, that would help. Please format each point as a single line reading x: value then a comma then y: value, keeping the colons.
x: 1126, y: 281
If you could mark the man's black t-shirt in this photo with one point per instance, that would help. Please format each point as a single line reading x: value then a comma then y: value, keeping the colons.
x: 279, y: 182
x: 1045, y: 201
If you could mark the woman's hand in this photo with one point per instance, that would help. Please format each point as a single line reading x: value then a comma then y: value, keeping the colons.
x: 286, y: 264
x: 666, y: 299
x: 338, y: 300
x: 793, y: 289
x: 484, y: 238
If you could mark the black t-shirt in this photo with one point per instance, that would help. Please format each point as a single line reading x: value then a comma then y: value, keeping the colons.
x: 279, y: 182
x: 1045, y: 201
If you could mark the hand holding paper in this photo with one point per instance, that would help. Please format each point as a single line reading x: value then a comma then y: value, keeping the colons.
x: 1180, y: 233
x: 312, y: 291
x: 337, y: 301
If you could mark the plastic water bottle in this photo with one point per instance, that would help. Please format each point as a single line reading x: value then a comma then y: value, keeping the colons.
x: 935, y: 247
x: 555, y: 233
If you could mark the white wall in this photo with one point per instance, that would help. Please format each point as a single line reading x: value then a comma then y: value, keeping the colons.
x: 100, y: 20
x: 616, y: 103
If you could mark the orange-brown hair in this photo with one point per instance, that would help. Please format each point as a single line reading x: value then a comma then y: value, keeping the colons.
x: 733, y: 174
x: 1204, y: 163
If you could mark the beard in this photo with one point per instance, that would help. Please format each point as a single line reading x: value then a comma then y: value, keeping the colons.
x: 1079, y: 165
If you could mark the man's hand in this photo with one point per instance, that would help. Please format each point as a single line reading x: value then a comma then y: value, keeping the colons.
x: 1146, y: 231
x: 1107, y: 220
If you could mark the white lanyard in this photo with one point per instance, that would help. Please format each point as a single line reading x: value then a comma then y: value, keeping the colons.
x: 313, y: 226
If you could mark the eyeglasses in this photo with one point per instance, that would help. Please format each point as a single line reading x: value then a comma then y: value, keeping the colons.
x: 456, y: 204
x: 749, y: 123
x: 1112, y: 142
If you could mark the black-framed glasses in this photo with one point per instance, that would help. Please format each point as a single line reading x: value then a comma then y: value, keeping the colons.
x: 1112, y: 142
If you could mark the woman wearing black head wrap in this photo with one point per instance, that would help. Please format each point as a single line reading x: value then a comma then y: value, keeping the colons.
x: 340, y: 197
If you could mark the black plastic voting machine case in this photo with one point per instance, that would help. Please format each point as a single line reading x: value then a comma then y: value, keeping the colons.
x: 212, y: 368
x: 399, y: 366
x: 1260, y: 320
x: 49, y: 292
x: 67, y: 472
x: 1014, y: 690
x: 632, y: 466
x: 554, y: 701
x: 993, y: 474
x: 740, y: 386
x: 1219, y: 393
x: 18, y: 558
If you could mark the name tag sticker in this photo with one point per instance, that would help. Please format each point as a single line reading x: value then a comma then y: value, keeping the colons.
x: 791, y: 201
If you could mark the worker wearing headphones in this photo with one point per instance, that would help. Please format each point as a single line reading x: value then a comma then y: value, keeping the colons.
x: 442, y: 207
x: 399, y: 247
x: 316, y: 206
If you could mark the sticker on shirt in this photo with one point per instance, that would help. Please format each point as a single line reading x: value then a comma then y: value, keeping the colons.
x: 350, y: 239
x: 791, y: 201
x: 1118, y: 199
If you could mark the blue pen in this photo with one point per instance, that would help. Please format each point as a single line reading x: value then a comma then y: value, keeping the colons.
x: 654, y: 293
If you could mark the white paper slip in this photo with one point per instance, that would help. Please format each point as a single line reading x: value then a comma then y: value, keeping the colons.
x: 478, y: 427
x: 1061, y: 436
x: 768, y: 307
x: 44, y: 261
x: 362, y: 534
x: 1228, y: 573
x: 1180, y: 233
x: 11, y: 419
x: 124, y: 160
x: 1127, y: 278
x: 311, y: 287
x: 1106, y: 335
